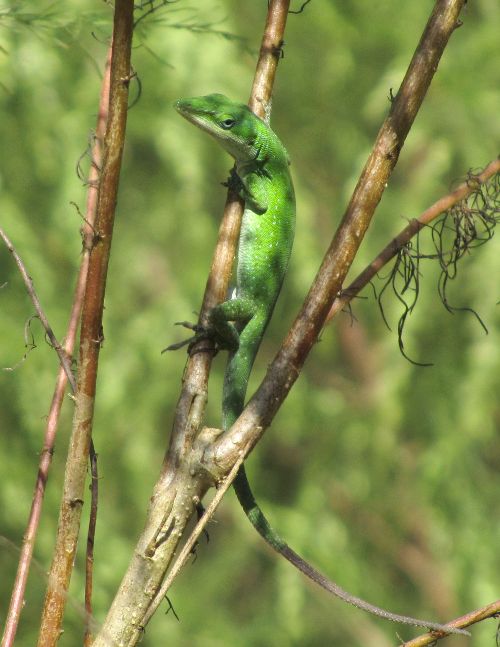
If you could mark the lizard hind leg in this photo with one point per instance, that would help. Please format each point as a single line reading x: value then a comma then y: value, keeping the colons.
x: 228, y: 319
x: 220, y: 330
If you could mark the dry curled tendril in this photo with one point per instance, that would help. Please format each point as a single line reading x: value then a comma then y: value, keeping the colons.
x: 468, y: 224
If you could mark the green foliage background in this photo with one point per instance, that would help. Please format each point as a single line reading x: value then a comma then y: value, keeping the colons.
x: 384, y: 474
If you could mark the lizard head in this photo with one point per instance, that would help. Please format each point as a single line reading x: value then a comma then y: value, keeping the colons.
x: 232, y: 124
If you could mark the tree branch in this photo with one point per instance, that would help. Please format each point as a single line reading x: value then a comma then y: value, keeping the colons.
x: 188, y: 547
x: 489, y: 611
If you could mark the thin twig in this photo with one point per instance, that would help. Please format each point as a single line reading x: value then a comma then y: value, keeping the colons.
x: 89, y: 557
x: 489, y: 611
x: 413, y: 227
x: 28, y: 282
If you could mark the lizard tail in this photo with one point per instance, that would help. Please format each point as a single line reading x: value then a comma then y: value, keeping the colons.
x: 235, y: 385
x: 263, y: 527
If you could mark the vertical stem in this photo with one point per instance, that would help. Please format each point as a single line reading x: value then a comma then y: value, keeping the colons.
x: 286, y: 366
x: 187, y: 417
x: 124, y: 624
x: 269, y: 56
x: 91, y: 332
x: 26, y: 554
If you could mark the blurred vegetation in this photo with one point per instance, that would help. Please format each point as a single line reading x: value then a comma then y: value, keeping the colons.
x: 384, y: 474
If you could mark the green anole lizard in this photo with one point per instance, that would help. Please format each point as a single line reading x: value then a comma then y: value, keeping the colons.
x: 263, y: 180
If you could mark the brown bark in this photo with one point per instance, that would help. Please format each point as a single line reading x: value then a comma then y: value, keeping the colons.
x: 91, y: 332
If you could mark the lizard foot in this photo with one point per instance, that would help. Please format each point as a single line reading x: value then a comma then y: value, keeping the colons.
x: 201, y: 334
x: 234, y: 182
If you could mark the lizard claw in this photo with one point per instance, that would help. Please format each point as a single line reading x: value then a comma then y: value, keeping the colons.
x: 201, y: 333
x: 233, y: 182
x: 176, y: 346
x: 188, y: 324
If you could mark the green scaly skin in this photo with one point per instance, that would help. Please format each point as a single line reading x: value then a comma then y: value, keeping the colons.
x: 238, y: 325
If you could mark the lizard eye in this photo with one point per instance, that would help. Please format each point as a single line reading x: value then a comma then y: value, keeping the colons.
x: 228, y: 123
